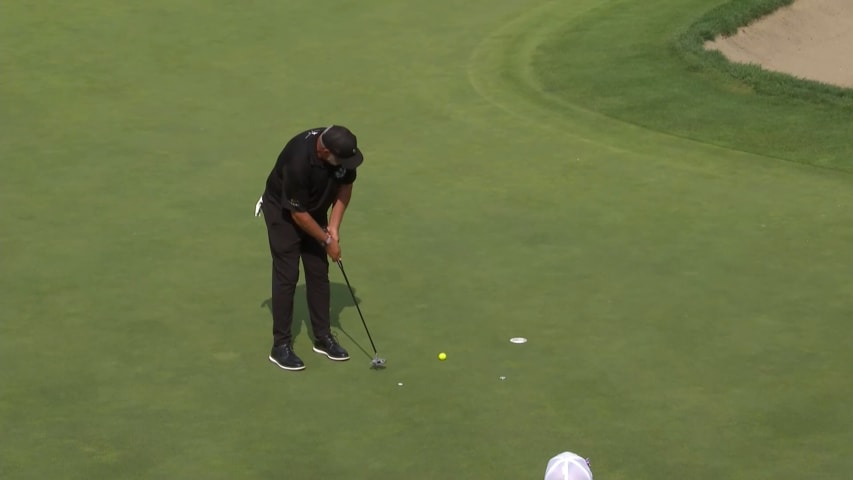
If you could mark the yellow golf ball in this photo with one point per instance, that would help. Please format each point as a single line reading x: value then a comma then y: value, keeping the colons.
x: 442, y: 356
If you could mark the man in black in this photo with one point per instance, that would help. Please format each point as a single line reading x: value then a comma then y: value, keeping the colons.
x: 315, y: 171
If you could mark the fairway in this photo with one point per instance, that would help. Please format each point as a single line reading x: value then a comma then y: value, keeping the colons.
x: 674, y: 245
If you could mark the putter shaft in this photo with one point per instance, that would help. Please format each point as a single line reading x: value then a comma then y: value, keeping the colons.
x: 355, y: 301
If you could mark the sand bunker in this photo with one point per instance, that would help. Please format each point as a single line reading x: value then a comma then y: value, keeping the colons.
x: 810, y: 39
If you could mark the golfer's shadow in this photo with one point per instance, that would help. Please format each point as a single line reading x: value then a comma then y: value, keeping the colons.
x: 341, y: 299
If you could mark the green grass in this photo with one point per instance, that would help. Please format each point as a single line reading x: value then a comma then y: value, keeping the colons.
x: 687, y: 305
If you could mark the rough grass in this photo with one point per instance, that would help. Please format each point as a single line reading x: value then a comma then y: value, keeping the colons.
x: 725, y: 20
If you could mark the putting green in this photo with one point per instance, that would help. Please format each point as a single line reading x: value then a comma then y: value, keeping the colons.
x: 687, y: 305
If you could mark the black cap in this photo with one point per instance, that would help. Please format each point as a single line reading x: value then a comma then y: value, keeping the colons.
x: 343, y: 145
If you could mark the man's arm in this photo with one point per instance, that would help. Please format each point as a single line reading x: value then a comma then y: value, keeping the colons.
x: 338, y: 209
x: 304, y: 221
x: 295, y: 198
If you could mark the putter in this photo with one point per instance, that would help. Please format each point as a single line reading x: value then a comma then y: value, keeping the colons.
x: 377, y: 362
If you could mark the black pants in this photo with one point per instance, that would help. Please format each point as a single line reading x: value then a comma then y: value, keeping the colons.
x: 289, y: 243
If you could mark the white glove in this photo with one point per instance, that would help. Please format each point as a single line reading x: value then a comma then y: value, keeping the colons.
x: 258, y: 206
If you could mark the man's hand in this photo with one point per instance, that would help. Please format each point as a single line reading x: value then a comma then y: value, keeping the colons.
x: 333, y: 249
x: 258, y: 206
x: 334, y: 233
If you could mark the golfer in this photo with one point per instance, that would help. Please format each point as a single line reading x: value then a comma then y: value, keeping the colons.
x: 315, y: 171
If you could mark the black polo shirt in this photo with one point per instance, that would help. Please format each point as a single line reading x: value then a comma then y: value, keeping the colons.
x: 301, y: 182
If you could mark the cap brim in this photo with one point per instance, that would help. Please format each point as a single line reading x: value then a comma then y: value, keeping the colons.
x: 351, y: 163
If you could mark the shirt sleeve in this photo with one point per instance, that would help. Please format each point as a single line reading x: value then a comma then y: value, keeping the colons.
x: 295, y: 191
x: 348, y: 177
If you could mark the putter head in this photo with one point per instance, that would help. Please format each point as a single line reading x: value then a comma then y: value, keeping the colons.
x: 377, y: 363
